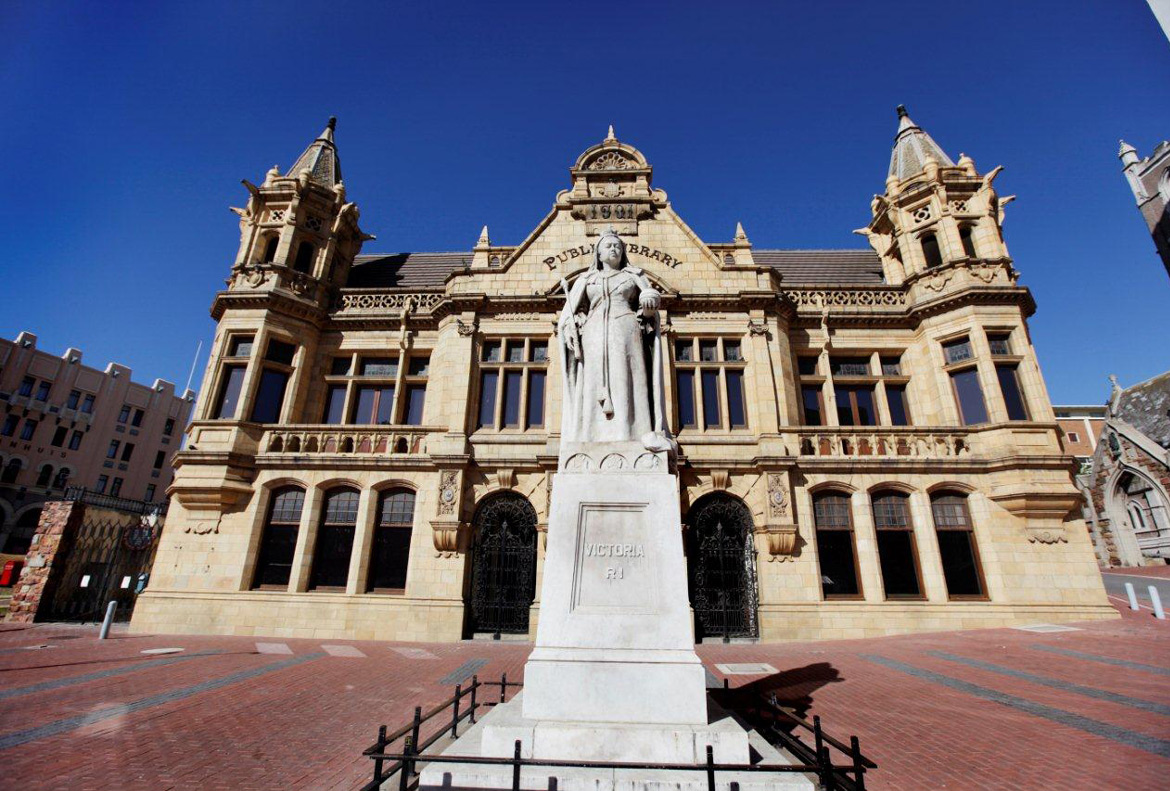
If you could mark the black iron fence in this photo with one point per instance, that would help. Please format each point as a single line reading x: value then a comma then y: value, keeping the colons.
x: 402, y: 751
x: 125, y: 505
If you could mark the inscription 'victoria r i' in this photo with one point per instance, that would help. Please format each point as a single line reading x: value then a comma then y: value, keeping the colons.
x: 615, y: 550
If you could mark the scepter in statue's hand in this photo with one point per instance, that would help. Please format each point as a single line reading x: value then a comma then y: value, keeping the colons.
x: 571, y: 330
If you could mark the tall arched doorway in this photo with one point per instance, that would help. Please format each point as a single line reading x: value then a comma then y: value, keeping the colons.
x: 1141, y: 512
x: 721, y: 564
x: 503, y: 571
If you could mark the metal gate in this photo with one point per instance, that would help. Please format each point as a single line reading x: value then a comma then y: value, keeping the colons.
x: 103, y: 565
x: 503, y: 576
x: 722, y: 566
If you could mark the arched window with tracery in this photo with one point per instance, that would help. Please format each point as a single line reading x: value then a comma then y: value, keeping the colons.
x: 1146, y: 513
x: 390, y: 555
x: 897, y: 551
x: 334, y: 545
x: 836, y: 550
x: 956, y: 545
x: 279, y: 539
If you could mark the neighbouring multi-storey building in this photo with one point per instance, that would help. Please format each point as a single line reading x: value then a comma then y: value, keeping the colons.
x: 66, y: 424
x: 867, y: 444
x: 1081, y: 427
x: 1149, y: 179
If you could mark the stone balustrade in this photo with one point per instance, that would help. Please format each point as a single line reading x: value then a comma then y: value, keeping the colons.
x: 322, y: 440
x: 354, y: 302
x: 892, y: 299
x: 883, y: 441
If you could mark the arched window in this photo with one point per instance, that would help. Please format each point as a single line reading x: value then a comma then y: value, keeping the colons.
x: 334, y: 544
x: 304, y: 259
x: 280, y: 538
x: 391, y: 552
x: 270, y: 249
x: 897, y: 551
x: 11, y: 470
x: 835, y: 550
x: 1145, y: 511
x: 503, y: 576
x: 956, y: 546
x: 930, y: 250
x: 61, y: 478
x: 45, y: 475
x: 721, y: 562
x: 20, y: 539
x: 968, y: 243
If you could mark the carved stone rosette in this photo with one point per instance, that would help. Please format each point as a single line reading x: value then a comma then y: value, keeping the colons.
x: 779, y: 531
x: 448, y: 492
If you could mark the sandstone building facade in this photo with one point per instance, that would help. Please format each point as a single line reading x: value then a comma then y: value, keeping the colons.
x: 1149, y: 179
x: 867, y: 445
x: 63, y: 423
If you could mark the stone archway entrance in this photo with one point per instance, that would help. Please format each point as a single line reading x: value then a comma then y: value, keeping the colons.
x: 721, y: 564
x: 503, y: 572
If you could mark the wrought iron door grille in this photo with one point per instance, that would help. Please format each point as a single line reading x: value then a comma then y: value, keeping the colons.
x: 722, y: 568
x: 503, y: 582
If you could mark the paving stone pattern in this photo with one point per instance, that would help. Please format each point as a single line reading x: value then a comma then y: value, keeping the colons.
x: 993, y: 709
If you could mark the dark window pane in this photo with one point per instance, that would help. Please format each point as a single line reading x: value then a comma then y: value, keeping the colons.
x: 331, y: 556
x: 73, y: 399
x: 159, y: 458
x: 890, y: 511
x: 512, y: 398
x: 844, y: 406
x: 930, y: 250
x: 116, y: 487
x: 102, y: 482
x: 137, y: 419
x: 971, y: 406
x: 807, y: 366
x: 169, y: 426
x: 396, y: 508
x: 374, y: 405
x: 10, y: 423
x: 686, y: 398
x: 270, y: 249
x: 287, y: 505
x: 339, y: 366
x: 515, y: 352
x: 736, y: 409
x: 711, y: 399
x: 229, y: 392
x: 59, y: 436
x: 419, y: 366
x: 269, y: 396
x: 334, y: 404
x: 708, y: 351
x: 240, y: 346
x: 87, y: 404
x: 950, y: 512
x: 389, y: 558
x: 863, y: 398
x: 838, y: 570
x: 957, y: 549
x: 968, y: 243
x: 899, y: 414
x: 732, y: 351
x: 124, y: 414
x: 684, y: 351
x: 75, y: 440
x: 831, y: 510
x: 899, y: 565
x: 279, y: 539
x: 536, y: 398
x: 811, y: 395
x: 386, y: 367
x: 487, y: 398
x: 849, y: 366
x: 1013, y: 399
x: 415, y: 399
x: 891, y: 366
x: 957, y: 351
x: 112, y: 451
x: 384, y: 415
x: 281, y: 352
x: 304, y: 259
x: 26, y: 386
x: 127, y: 451
x: 999, y: 345
x: 491, y: 351
x: 341, y: 507
x: 43, y: 391
x: 538, y: 351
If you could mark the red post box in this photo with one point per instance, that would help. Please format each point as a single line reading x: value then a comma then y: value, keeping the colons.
x: 10, y: 573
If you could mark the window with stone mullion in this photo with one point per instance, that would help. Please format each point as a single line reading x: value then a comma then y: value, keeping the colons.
x: 513, y: 375
x: 709, y: 384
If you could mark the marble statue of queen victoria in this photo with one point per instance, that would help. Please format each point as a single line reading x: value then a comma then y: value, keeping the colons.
x: 611, y: 354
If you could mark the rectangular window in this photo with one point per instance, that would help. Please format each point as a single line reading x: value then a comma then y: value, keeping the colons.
x: 30, y: 428
x: 512, y: 384
x: 736, y: 408
x: 340, y: 366
x: 708, y: 351
x: 512, y: 399
x: 956, y: 544
x: 116, y: 487
x: 229, y: 392
x: 515, y: 353
x: 684, y: 351
x: 87, y: 404
x: 43, y: 391
x: 270, y: 395
x: 539, y: 352
x: 374, y: 405
x: 415, y: 399
x: 59, y: 437
x: 26, y: 386
x: 112, y: 451
x: 710, y: 382
x: 813, y: 401
x: 899, y: 408
x: 855, y: 405
x: 136, y: 421
x: 849, y: 366
x: 240, y: 346
x: 535, y: 399
x: 169, y: 427
x: 972, y: 409
x: 102, y: 482
x: 897, y: 553
x: 488, y: 382
x: 380, y: 367
x: 806, y: 365
x: 419, y: 366
x: 124, y: 414
x: 73, y: 400
x: 1013, y: 399
x: 127, y: 451
x: 150, y: 490
x: 75, y: 440
x: 10, y: 424
x: 491, y: 351
x: 159, y: 458
x: 1000, y: 344
x: 334, y: 404
x: 957, y: 351
x: 685, y: 395
x: 281, y: 352
x: 891, y: 366
x: 835, y: 552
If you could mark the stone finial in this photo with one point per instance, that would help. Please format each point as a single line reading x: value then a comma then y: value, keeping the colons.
x: 1114, y: 393
x: 1127, y: 154
x: 610, y: 135
x: 484, y: 240
x: 740, y: 236
x: 967, y: 164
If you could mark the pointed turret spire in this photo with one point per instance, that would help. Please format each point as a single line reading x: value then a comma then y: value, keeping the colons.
x: 1128, y: 154
x: 320, y: 159
x: 913, y: 147
x: 610, y: 135
x: 740, y: 236
x: 484, y: 240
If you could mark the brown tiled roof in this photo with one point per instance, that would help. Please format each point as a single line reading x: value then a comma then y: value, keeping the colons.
x: 798, y: 267
x: 405, y: 270
x: 824, y: 267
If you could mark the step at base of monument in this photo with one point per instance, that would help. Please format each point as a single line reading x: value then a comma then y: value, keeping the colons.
x: 495, y: 736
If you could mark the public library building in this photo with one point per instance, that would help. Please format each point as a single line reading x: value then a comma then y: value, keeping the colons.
x: 866, y: 443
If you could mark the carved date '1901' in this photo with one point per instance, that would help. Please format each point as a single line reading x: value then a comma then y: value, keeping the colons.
x: 611, y: 211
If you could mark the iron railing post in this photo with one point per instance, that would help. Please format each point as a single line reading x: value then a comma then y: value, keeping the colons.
x: 503, y: 686
x: 404, y: 770
x: 819, y: 746
x: 710, y: 768
x: 516, y: 767
x: 378, y: 761
x: 455, y: 713
x: 858, y: 765
x: 474, y: 689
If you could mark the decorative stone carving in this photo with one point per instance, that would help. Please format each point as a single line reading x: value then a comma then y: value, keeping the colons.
x: 1042, y: 512
x: 1046, y: 535
x: 758, y: 327
x: 782, y: 541
x: 464, y: 328
x: 777, y: 496
x: 445, y: 535
x: 720, y: 480
x: 938, y: 281
x: 374, y: 303
x: 850, y: 298
x: 505, y: 478
x: 448, y: 491
x: 613, y: 160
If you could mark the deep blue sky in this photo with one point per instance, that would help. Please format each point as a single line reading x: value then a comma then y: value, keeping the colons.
x: 127, y: 128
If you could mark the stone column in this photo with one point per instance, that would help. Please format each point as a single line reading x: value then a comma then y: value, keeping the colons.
x: 45, y: 562
x: 302, y: 564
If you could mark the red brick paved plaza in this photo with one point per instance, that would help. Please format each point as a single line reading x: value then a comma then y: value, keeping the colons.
x: 992, y: 709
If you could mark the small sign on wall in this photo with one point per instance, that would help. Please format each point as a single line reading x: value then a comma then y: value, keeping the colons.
x: 125, y: 583
x: 85, y: 580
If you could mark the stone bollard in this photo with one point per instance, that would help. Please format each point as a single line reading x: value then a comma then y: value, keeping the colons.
x: 1156, y: 600
x: 1133, y: 605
